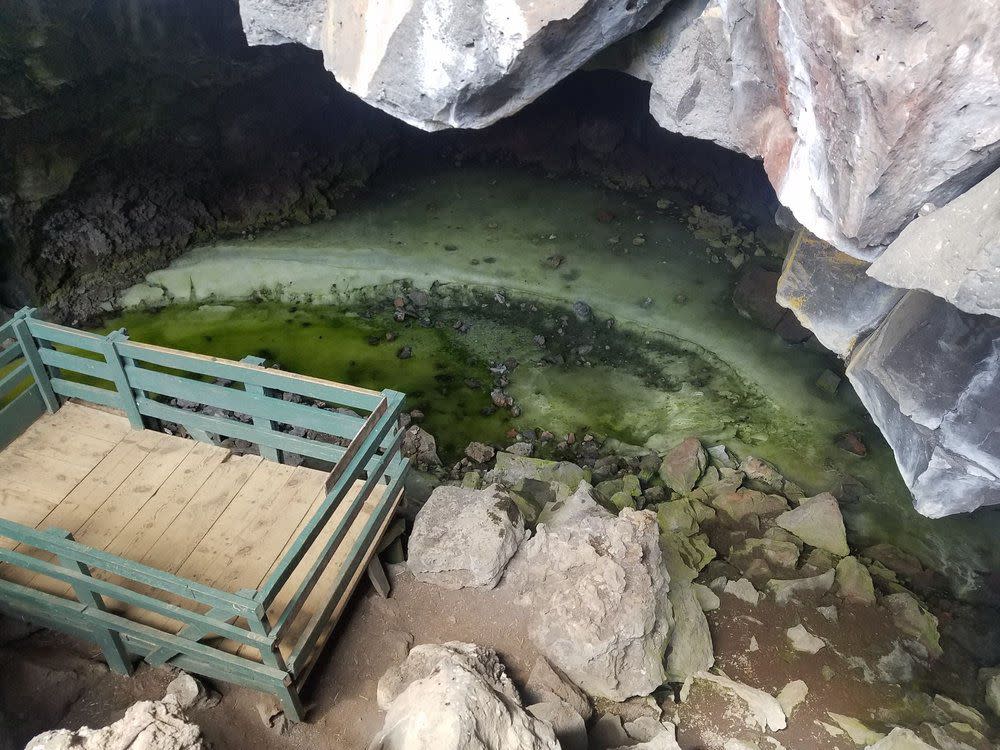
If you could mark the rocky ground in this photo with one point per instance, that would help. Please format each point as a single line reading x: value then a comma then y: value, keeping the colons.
x: 610, y: 598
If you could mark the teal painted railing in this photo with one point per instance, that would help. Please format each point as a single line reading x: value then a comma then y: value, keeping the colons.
x: 45, y: 363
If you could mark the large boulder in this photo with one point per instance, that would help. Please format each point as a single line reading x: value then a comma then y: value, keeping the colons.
x: 464, y: 538
x: 930, y: 377
x: 599, y: 587
x: 455, y: 696
x: 150, y: 725
x: 436, y: 64
x: 857, y: 131
x: 953, y: 252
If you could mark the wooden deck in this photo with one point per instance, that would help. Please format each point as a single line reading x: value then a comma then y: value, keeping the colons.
x: 184, y: 507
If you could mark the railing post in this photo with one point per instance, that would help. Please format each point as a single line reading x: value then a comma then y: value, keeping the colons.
x: 120, y: 378
x: 110, y: 642
x: 266, y: 451
x: 287, y: 694
x: 31, y: 356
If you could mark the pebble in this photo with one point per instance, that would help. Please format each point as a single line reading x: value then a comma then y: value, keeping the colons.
x: 405, y: 352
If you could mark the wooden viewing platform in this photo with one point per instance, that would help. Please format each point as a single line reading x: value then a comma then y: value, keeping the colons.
x: 176, y: 550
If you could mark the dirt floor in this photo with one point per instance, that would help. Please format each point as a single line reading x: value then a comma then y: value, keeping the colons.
x: 52, y: 681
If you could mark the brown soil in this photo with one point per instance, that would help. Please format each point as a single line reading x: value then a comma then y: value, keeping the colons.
x: 53, y: 681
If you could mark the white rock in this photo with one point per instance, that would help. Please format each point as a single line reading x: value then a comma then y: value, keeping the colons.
x: 744, y: 590
x: 598, y: 586
x: 856, y: 730
x: 568, y: 725
x: 791, y: 695
x: 707, y: 598
x: 690, y: 648
x: 190, y: 693
x: 854, y: 582
x: 148, y: 725
x: 650, y: 734
x: 546, y: 683
x: 830, y: 613
x: 900, y: 739
x: 464, y: 538
x: 455, y: 697
x: 439, y: 64
x: 798, y: 589
x: 817, y: 521
x: 764, y: 707
x: 802, y: 640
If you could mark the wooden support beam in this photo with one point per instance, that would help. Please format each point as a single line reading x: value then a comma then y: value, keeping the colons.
x: 30, y: 351
x: 266, y: 451
x: 118, y: 377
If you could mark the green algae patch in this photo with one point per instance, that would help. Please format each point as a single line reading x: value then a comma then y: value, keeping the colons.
x: 345, y: 348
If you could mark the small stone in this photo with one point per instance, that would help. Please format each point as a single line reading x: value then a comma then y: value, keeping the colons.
x: 547, y: 683
x: 828, y: 382
x: 765, y: 710
x: 818, y: 522
x: 854, y: 582
x: 827, y: 672
x: 858, y: 732
x: 791, y: 695
x: 568, y: 725
x: 802, y: 640
x: 743, y: 590
x: 707, y: 598
x: 683, y: 465
x: 582, y: 311
x: 663, y: 203
x: 522, y: 449
x: 538, y: 340
x: 913, y: 620
x: 992, y: 692
x: 191, y: 694
x: 638, y: 240
x: 829, y: 613
x: 405, y: 352
x: 852, y: 442
x: 754, y: 646
x: 480, y: 452
x: 800, y: 589
x: 272, y: 716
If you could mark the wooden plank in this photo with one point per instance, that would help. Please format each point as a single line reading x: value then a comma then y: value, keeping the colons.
x: 251, y: 402
x: 235, y: 429
x: 58, y: 334
x: 21, y: 504
x: 308, y: 660
x: 95, y: 368
x: 51, y: 478
x: 309, y: 387
x: 86, y: 497
x: 9, y: 354
x: 89, y: 393
x: 107, y: 521
x: 169, y: 503
x: 13, y: 379
x: 170, y: 551
x: 53, y: 440
x: 227, y: 538
x: 18, y: 414
x: 89, y: 420
x: 118, y: 377
x: 31, y: 356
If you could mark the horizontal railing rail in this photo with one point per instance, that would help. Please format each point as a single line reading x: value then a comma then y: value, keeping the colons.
x: 67, y: 549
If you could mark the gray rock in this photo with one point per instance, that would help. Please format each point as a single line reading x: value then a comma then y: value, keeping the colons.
x: 818, y: 522
x: 599, y: 587
x: 800, y: 589
x: 900, y: 738
x: 157, y: 725
x: 743, y: 590
x: 690, y: 650
x: 510, y: 469
x: 930, y: 377
x: 547, y: 683
x: 802, y: 640
x: 568, y: 725
x: 190, y: 693
x: 791, y: 696
x: 683, y: 465
x: 420, y: 445
x: 915, y: 621
x: 765, y: 711
x: 647, y: 733
x: 438, y: 65
x: 480, y: 452
x: 456, y: 696
x: 464, y: 538
x: 854, y: 582
x: 992, y: 692
x: 953, y: 252
x: 831, y: 294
